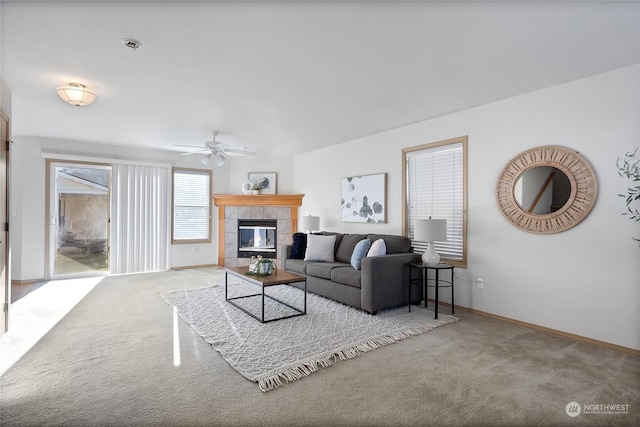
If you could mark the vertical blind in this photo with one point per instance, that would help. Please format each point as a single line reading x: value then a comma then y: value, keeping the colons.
x: 191, y: 205
x: 435, y: 188
x: 140, y: 218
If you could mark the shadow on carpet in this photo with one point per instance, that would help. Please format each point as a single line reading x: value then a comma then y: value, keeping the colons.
x: 290, y: 349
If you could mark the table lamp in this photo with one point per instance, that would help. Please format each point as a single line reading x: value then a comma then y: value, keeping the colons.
x: 430, y: 230
x: 310, y: 223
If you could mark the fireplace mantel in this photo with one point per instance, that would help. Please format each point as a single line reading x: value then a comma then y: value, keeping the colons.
x: 257, y: 200
x: 231, y: 207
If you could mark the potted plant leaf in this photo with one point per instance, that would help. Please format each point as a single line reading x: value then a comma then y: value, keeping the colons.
x: 260, y: 266
x: 629, y: 167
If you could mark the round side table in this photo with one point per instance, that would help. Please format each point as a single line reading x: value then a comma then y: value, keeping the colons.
x: 423, y: 280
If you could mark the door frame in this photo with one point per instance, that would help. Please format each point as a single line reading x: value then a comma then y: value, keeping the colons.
x: 4, y: 230
x: 50, y: 243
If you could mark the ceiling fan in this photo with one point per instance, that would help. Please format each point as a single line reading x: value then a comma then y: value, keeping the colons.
x: 216, y: 150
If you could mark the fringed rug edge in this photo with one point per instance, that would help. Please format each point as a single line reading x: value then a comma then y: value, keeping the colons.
x: 306, y: 367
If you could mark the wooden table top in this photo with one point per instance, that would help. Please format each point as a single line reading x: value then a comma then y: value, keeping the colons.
x: 278, y: 277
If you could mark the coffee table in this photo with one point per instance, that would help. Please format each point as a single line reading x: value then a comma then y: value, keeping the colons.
x: 278, y: 277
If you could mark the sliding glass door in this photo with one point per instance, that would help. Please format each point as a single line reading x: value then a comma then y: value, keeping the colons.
x: 79, y: 220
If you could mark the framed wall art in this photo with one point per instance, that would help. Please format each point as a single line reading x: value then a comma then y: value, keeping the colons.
x: 364, y: 198
x: 266, y: 181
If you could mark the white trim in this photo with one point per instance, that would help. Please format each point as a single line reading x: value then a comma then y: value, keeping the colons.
x: 109, y: 160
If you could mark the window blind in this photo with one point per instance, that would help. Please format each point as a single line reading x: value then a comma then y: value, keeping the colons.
x: 435, y: 188
x: 139, y: 219
x: 191, y: 205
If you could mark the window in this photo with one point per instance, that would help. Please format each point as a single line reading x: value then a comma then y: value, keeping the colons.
x: 435, y: 185
x: 191, y: 206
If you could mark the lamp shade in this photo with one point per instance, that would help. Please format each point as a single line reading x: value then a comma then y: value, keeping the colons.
x: 309, y: 222
x: 220, y: 159
x: 76, y: 94
x: 431, y: 230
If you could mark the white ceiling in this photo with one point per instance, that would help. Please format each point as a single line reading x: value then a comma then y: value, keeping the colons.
x: 292, y: 75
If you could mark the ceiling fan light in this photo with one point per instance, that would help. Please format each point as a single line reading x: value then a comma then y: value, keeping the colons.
x: 76, y: 95
x: 220, y: 160
x: 206, y: 160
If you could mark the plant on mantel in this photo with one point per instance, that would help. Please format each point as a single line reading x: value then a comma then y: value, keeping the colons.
x: 629, y: 167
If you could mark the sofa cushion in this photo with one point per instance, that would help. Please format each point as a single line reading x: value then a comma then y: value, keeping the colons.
x: 394, y: 244
x: 346, y: 276
x: 377, y: 248
x: 322, y: 269
x: 299, y: 245
x: 320, y: 248
x: 359, y: 252
x: 296, y: 265
x: 348, y: 243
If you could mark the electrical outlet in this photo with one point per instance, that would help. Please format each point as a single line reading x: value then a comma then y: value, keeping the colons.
x: 480, y: 283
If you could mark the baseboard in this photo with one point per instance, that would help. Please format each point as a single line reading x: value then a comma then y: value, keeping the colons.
x: 191, y: 267
x: 26, y: 282
x: 545, y: 329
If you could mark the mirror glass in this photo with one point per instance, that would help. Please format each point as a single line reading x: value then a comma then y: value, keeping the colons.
x: 542, y: 190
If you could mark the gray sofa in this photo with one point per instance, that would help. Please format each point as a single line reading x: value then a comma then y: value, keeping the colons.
x: 381, y: 283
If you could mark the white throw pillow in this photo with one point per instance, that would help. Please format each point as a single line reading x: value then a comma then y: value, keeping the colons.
x: 320, y: 248
x: 377, y: 248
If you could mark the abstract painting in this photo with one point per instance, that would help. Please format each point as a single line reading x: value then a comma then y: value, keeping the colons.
x: 364, y: 198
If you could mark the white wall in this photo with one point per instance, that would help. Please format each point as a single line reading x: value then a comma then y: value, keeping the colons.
x: 270, y: 161
x: 584, y: 281
x: 28, y: 210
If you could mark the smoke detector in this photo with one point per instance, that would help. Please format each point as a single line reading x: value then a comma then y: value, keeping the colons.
x: 131, y: 43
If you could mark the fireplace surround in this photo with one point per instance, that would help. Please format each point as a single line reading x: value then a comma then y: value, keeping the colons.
x: 281, y: 208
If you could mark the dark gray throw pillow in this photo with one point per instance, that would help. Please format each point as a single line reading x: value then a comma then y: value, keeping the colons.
x: 299, y: 246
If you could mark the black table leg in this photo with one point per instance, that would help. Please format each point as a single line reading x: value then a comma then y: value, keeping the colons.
x: 263, y: 304
x: 452, y: 304
x: 424, y: 286
x: 437, y: 279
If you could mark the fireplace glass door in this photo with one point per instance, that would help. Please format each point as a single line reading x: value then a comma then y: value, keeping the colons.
x: 256, y: 237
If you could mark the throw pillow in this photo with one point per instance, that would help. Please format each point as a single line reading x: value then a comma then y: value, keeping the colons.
x: 320, y: 248
x: 377, y: 248
x: 359, y: 252
x: 299, y: 246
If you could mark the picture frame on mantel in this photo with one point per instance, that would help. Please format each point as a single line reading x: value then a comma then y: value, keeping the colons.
x: 268, y: 180
x: 364, y: 198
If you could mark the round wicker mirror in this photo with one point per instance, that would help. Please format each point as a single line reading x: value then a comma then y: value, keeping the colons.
x: 533, y: 194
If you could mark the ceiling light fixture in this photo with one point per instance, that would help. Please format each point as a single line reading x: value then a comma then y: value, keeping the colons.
x: 206, y: 160
x: 220, y: 159
x: 76, y: 94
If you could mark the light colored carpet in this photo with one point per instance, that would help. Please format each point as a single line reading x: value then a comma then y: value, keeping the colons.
x: 293, y: 348
x: 114, y: 360
x: 33, y: 315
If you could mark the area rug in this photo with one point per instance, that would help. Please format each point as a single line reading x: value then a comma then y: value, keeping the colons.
x: 290, y: 349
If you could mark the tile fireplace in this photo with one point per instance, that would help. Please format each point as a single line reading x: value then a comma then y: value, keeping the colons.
x: 258, y: 213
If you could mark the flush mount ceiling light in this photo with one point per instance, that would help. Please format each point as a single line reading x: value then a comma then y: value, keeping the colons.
x: 76, y: 94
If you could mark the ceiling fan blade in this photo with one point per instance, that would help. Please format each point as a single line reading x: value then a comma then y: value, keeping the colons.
x: 190, y: 146
x: 196, y: 152
x: 238, y: 151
